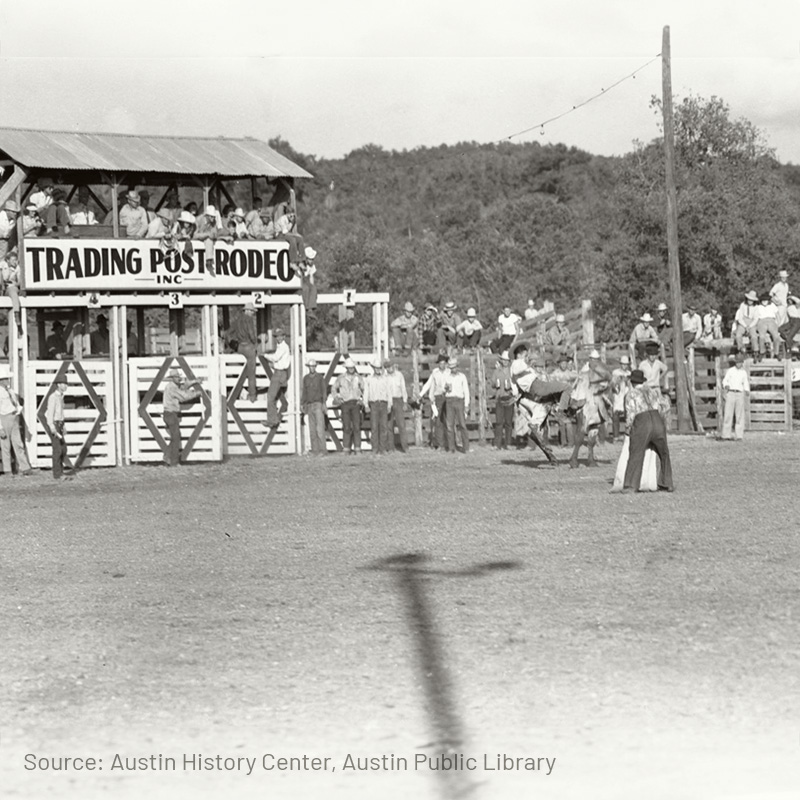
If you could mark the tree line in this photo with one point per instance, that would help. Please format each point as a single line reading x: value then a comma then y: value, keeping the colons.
x: 490, y: 225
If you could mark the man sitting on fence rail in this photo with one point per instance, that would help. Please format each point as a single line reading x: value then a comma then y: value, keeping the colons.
x: 792, y: 327
x: 468, y: 332
x: 508, y: 328
x: 404, y: 330
x: 557, y: 337
x: 643, y: 333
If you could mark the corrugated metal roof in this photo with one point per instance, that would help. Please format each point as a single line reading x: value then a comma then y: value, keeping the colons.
x: 118, y: 152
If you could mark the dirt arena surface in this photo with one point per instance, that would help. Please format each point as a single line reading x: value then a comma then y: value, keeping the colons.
x: 276, y: 608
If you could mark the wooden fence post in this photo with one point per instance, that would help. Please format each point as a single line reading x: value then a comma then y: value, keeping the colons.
x: 787, y: 390
x: 587, y: 321
x: 483, y: 411
x: 718, y: 393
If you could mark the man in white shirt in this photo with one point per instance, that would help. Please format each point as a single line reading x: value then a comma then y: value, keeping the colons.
x: 44, y: 196
x: 54, y: 416
x: 508, y: 328
x: 10, y: 427
x: 434, y: 389
x: 767, y: 327
x: 468, y: 332
x: 654, y: 369
x: 692, y: 325
x: 378, y: 397
x: 530, y: 311
x: 132, y: 217
x: 745, y: 322
x: 397, y: 417
x: 404, y: 329
x: 8, y: 224
x: 456, y: 407
x: 279, y: 380
x: 735, y: 386
x: 779, y: 294
x: 790, y: 329
x: 643, y: 332
x: 163, y: 224
x: 712, y: 324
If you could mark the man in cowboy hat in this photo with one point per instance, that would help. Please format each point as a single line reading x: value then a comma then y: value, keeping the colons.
x: 620, y: 386
x: 645, y: 412
x: 643, y: 333
x: 663, y: 324
x: 468, y: 331
x: 348, y: 397
x: 654, y: 369
x: 767, y: 327
x: 279, y: 382
x: 556, y: 338
x: 456, y: 403
x: 54, y: 416
x: 397, y: 407
x: 55, y: 345
x: 434, y: 389
x: 692, y: 324
x: 404, y: 330
x: 745, y: 321
x: 163, y: 225
x: 209, y: 230
x: 308, y: 281
x: 735, y: 387
x: 779, y: 294
x: 313, y: 395
x: 503, y: 386
x: 378, y: 397
x: 712, y: 323
x: 10, y: 427
x: 133, y: 217
x: 8, y: 220
x: 99, y: 340
x: 791, y: 328
x: 175, y: 394
x: 449, y: 320
x: 428, y: 327
x: 44, y: 196
x: 244, y: 333
x: 509, y: 326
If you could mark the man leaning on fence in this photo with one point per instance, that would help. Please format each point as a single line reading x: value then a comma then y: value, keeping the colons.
x: 312, y: 403
x: 174, y: 395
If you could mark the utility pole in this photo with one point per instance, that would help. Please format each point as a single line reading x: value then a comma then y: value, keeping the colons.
x: 681, y: 388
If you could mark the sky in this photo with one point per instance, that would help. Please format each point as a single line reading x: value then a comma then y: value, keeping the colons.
x: 330, y: 77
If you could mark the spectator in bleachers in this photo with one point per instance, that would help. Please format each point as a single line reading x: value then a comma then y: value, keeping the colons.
x: 556, y: 339
x: 144, y: 196
x: 449, y: 320
x: 208, y: 231
x: 236, y: 225
x: 663, y: 324
x: 8, y: 220
x: 692, y: 326
x: 563, y: 371
x: 56, y: 218
x: 428, y: 327
x: 469, y: 331
x: 654, y: 369
x: 348, y: 391
x: 132, y: 217
x: 404, y: 330
x: 504, y: 401
x: 254, y: 213
x: 99, y: 339
x: 261, y: 225
x: 508, y: 328
x: 82, y: 214
x: 191, y: 208
x: 9, y: 283
x: 530, y: 311
x: 712, y: 323
x: 397, y: 407
x: 286, y: 230
x: 643, y: 333
x: 789, y: 330
x: 55, y: 345
x: 767, y: 327
x: 31, y: 222
x: 745, y: 322
x: 43, y: 196
x: 779, y: 294
x: 308, y: 280
x: 163, y: 225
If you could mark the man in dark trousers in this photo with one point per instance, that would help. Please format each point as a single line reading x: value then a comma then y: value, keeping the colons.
x: 645, y: 411
x: 244, y: 330
x: 312, y: 401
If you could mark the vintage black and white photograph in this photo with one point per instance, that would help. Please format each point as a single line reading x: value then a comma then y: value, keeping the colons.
x: 400, y: 400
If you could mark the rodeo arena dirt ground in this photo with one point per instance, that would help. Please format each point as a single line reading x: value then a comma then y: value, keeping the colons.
x: 188, y: 629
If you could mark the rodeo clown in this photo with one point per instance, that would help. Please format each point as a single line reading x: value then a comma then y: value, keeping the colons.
x: 536, y: 399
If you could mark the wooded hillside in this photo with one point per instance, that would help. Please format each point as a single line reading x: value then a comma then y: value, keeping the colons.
x: 487, y: 225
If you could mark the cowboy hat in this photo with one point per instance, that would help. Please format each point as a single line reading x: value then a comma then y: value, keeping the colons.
x: 239, y: 212
x: 310, y: 253
x: 279, y: 332
x: 409, y: 306
x: 210, y: 211
x: 187, y: 216
x: 176, y: 375
x: 662, y: 307
x: 349, y: 363
x: 504, y: 356
x: 133, y: 195
x: 165, y: 213
x: 751, y: 295
x: 11, y: 205
x: 312, y: 362
x: 646, y: 317
x: 471, y: 312
x: 450, y: 305
x: 377, y: 364
x: 5, y: 372
x: 453, y: 362
x: 637, y: 377
x: 560, y: 318
x: 594, y: 354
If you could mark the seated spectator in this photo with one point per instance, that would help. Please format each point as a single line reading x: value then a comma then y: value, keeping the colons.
x: 133, y: 219
x: 144, y: 196
x: 745, y: 321
x: 469, y: 331
x: 530, y: 311
x: 508, y: 328
x: 449, y: 320
x: 191, y: 208
x: 8, y: 226
x: 55, y: 345
x: 712, y: 323
x: 99, y: 339
x: 56, y: 218
x: 209, y: 231
x: 428, y: 327
x: 9, y: 283
x: 32, y: 224
x: 556, y: 339
x: 254, y: 213
x: 692, y: 326
x: 404, y: 330
x: 236, y: 225
x: 286, y: 230
x: 564, y: 371
x: 663, y: 324
x: 121, y: 200
x: 767, y: 327
x: 163, y: 225
x: 791, y: 328
x: 643, y: 333
x: 83, y: 215
x: 227, y: 214
x: 43, y: 196
x: 260, y: 226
